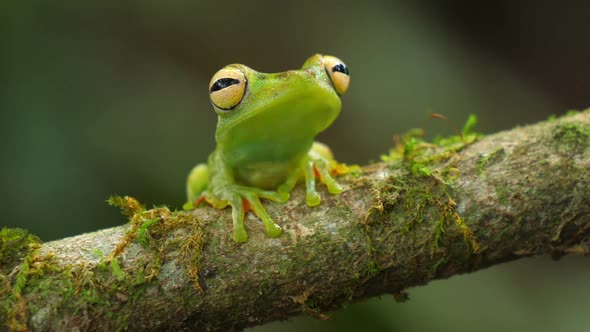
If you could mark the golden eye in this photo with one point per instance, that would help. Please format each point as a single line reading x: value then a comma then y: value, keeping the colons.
x: 338, y: 73
x: 227, y: 88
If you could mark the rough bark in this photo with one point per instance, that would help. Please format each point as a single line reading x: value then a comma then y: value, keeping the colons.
x: 509, y: 195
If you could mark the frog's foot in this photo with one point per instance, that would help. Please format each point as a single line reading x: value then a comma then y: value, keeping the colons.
x: 205, y: 197
x: 320, y: 169
x: 321, y: 164
x: 191, y: 205
x: 243, y: 199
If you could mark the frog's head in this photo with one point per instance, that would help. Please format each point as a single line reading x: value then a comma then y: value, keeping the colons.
x: 293, y: 106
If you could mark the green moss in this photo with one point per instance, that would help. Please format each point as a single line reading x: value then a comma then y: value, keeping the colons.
x: 571, y: 137
x: 99, y: 290
x: 103, y: 289
x: 129, y: 205
x: 468, y: 128
x: 116, y: 270
x: 150, y: 227
x: 420, y: 169
x: 143, y: 232
x: 434, y: 270
x: 312, y: 305
x: 372, y: 269
x: 425, y: 173
x: 15, y: 243
x: 439, y: 229
x: 342, y: 211
x: 488, y: 159
x: 95, y: 290
x: 415, y: 200
x: 503, y: 194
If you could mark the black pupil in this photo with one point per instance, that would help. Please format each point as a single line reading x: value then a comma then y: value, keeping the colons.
x: 223, y: 83
x: 340, y: 68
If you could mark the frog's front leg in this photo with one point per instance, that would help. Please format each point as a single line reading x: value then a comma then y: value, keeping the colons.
x: 215, y: 184
x: 224, y: 190
x: 319, y: 163
x: 243, y: 199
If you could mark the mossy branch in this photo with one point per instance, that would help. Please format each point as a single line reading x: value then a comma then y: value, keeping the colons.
x: 429, y: 211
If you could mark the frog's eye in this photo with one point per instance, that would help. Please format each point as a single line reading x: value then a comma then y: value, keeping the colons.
x: 227, y: 88
x: 338, y: 73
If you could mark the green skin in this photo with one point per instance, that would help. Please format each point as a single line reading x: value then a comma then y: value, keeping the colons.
x: 266, y: 144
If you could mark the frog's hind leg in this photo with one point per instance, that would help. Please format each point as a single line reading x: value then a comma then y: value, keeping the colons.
x: 197, y: 183
x: 322, y: 150
x: 325, y: 166
x: 326, y: 178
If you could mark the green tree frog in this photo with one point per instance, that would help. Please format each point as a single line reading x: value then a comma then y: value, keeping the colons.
x: 265, y: 138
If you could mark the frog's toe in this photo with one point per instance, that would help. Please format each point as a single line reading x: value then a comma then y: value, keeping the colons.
x: 328, y: 180
x: 312, y: 198
x: 283, y: 197
x: 323, y: 168
x: 240, y: 235
x: 334, y: 188
x: 272, y: 229
x: 188, y: 206
x: 275, y: 196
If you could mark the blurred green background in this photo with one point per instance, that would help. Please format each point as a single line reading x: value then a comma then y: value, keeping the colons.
x: 101, y: 98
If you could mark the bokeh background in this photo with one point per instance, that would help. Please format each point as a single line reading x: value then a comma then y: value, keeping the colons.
x: 99, y: 98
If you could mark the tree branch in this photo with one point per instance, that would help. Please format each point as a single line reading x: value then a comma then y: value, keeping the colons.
x: 429, y: 212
